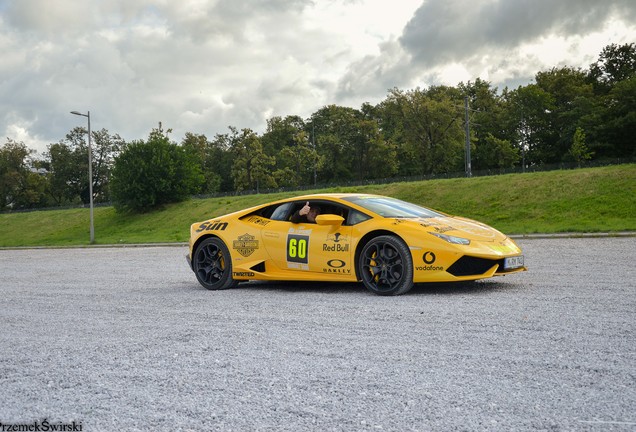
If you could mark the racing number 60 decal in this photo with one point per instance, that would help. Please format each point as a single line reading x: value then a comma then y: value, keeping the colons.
x: 297, y: 248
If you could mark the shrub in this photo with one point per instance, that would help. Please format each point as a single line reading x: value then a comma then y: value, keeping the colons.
x: 149, y: 174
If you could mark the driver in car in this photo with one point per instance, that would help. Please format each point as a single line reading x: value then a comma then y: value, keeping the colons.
x: 307, y: 214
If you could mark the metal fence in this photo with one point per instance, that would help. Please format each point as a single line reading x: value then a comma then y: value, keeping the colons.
x: 458, y: 174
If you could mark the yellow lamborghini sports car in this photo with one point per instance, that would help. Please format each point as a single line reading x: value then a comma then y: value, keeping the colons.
x: 385, y: 243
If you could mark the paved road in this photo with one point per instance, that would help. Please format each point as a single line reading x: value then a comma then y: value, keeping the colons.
x: 125, y: 339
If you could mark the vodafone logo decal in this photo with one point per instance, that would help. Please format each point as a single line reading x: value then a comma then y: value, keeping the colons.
x: 429, y: 257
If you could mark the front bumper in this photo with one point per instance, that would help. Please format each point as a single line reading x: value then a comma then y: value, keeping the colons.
x: 187, y: 257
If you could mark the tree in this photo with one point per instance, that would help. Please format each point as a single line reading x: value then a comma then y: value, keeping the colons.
x: 615, y: 63
x: 297, y: 161
x: 529, y: 111
x: 579, y: 151
x: 334, y: 127
x: 68, y: 168
x: 497, y: 153
x: 280, y: 133
x: 203, y: 152
x: 220, y: 158
x: 430, y: 128
x: 252, y: 167
x: 351, y: 145
x: 490, y: 135
x: 617, y: 121
x: 391, y: 122
x: 571, y: 100
x: 287, y: 139
x: 67, y: 162
x: 376, y: 156
x: 105, y: 148
x: 153, y: 173
x: 20, y: 187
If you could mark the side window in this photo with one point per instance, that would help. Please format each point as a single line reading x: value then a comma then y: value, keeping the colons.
x: 281, y: 212
x: 355, y: 217
x: 340, y: 211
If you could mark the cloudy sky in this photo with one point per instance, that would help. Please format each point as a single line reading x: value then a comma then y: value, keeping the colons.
x: 203, y: 65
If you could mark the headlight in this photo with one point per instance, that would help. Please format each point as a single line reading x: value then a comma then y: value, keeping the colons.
x: 452, y: 239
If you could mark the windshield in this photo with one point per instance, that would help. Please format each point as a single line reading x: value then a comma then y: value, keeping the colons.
x: 392, y: 208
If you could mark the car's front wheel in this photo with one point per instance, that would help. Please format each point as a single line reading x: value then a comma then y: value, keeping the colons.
x: 212, y: 265
x: 385, y: 266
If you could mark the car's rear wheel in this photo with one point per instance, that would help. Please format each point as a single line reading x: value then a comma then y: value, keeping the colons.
x: 212, y: 265
x: 385, y: 266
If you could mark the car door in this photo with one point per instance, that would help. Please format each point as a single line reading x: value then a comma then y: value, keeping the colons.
x: 318, y: 248
x: 311, y: 248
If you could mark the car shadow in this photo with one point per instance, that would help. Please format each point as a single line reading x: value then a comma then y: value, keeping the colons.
x: 465, y: 287
x: 437, y: 288
x: 302, y: 286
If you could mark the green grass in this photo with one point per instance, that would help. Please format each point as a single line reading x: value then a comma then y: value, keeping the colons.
x: 583, y: 200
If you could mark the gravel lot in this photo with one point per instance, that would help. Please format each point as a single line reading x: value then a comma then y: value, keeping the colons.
x: 126, y: 339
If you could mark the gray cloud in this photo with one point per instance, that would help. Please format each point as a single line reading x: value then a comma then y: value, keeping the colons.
x: 202, y: 65
x: 133, y: 63
x: 484, y: 38
x: 451, y: 30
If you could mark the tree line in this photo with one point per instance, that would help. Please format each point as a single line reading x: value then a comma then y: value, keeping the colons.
x: 566, y: 115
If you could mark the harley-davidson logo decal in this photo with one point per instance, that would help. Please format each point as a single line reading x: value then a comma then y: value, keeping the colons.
x: 245, y: 245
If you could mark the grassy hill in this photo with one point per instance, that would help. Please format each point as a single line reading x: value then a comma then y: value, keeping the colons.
x: 584, y: 200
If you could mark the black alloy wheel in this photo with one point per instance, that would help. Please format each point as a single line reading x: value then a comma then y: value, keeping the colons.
x: 386, y: 266
x: 213, y: 265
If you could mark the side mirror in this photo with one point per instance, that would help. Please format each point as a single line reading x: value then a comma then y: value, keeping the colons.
x: 329, y: 219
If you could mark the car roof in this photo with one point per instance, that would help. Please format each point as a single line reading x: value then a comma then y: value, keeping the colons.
x: 329, y: 195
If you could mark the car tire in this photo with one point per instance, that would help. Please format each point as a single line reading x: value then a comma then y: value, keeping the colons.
x: 212, y: 265
x: 385, y: 266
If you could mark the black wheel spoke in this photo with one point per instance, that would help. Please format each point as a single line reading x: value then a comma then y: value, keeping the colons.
x: 212, y: 265
x: 209, y: 263
x: 385, y: 266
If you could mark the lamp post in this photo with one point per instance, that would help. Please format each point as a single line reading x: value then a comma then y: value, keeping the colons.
x: 469, y: 170
x: 90, y: 171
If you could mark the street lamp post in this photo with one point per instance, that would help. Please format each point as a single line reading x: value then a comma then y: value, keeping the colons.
x: 469, y: 170
x: 90, y: 171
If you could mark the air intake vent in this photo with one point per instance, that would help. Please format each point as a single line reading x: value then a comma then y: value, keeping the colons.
x: 472, y: 266
x: 260, y: 267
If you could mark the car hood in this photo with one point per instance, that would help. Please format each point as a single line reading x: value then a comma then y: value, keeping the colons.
x: 460, y: 227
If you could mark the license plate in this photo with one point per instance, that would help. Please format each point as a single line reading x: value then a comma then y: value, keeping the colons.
x: 513, y: 262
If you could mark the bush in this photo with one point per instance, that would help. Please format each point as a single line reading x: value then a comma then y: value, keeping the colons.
x: 149, y: 174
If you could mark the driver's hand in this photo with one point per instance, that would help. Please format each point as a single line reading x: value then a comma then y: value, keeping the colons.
x: 303, y: 211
